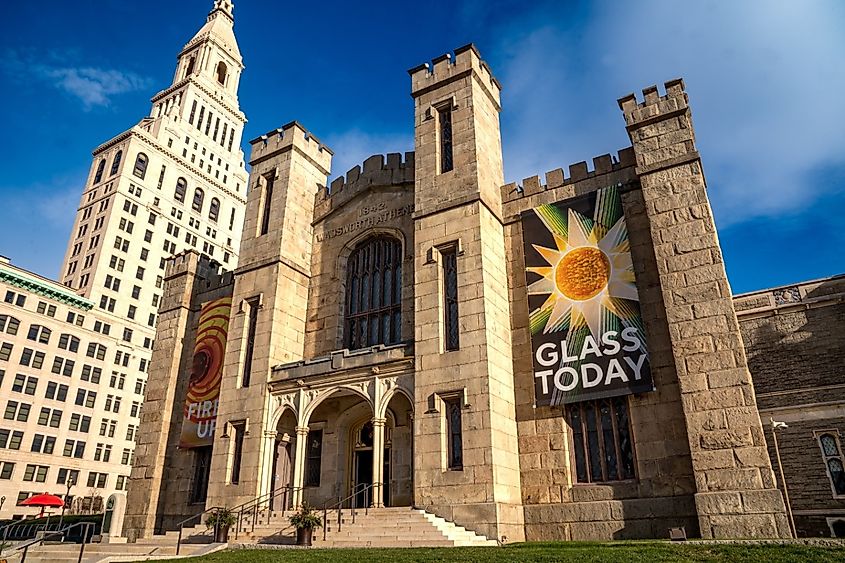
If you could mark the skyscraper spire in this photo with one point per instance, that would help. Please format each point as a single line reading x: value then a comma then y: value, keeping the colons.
x: 224, y: 6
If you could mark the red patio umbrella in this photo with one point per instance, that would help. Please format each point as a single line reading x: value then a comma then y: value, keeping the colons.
x: 43, y: 501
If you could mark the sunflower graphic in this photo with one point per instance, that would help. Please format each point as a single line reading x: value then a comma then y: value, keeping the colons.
x: 583, y: 284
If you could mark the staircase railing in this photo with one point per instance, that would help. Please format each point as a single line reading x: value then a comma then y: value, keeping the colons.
x: 360, y: 490
x: 87, y: 534
x: 248, y: 508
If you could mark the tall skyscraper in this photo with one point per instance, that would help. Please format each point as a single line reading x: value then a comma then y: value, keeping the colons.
x: 74, y: 357
x: 176, y: 180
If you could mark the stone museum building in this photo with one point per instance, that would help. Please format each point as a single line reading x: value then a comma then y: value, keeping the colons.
x: 560, y: 359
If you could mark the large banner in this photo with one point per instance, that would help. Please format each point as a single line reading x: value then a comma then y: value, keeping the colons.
x: 200, y: 411
x: 587, y: 333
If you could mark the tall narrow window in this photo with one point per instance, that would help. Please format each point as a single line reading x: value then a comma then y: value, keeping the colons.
x: 199, y: 196
x: 193, y: 112
x: 450, y: 298
x: 140, y: 169
x: 832, y: 454
x: 454, y: 434
x: 268, y: 200
x: 601, y: 438
x: 208, y: 123
x: 237, y: 451
x: 115, y: 164
x: 374, y: 293
x: 202, y: 465
x: 313, y: 458
x: 199, y: 120
x: 190, y: 69
x: 445, y: 119
x: 214, y: 209
x: 223, y: 135
x: 250, y: 341
x: 221, y: 73
x: 231, y: 137
x: 181, y: 189
x: 100, y: 168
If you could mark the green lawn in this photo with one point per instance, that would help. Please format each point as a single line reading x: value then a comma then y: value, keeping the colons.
x: 577, y: 552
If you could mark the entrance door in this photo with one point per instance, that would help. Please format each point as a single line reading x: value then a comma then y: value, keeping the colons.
x: 281, y: 474
x: 363, y: 478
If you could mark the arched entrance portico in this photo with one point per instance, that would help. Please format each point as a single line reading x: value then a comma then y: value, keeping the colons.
x: 350, y: 441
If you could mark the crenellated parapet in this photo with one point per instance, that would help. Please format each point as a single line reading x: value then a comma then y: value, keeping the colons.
x: 292, y: 136
x: 378, y: 171
x: 200, y: 267
x: 578, y: 173
x: 465, y: 62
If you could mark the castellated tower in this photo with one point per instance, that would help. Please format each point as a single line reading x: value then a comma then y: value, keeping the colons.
x: 267, y: 325
x: 736, y: 494
x: 463, y: 356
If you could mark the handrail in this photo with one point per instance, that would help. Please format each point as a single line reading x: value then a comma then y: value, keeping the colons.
x: 339, y: 505
x: 22, y: 524
x: 86, y: 538
x: 251, y: 504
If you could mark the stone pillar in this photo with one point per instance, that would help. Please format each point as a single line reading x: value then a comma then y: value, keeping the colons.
x: 378, y: 461
x: 736, y: 492
x: 299, y: 465
x: 269, y: 452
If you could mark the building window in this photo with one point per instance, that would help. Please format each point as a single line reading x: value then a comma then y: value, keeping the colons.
x: 214, y: 210
x: 193, y: 105
x: 601, y: 438
x: 313, y: 457
x: 140, y: 169
x: 454, y: 433
x: 6, y: 470
x: 181, y: 190
x: 267, y: 203
x: 374, y: 293
x: 250, y: 341
x: 115, y: 164
x: 832, y: 455
x: 237, y: 451
x: 199, y: 196
x: 38, y: 333
x: 9, y: 324
x: 450, y: 298
x: 100, y: 169
x: 445, y: 127
x: 221, y: 73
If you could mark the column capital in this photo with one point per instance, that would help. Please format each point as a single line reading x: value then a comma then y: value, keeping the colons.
x: 270, y: 434
x: 301, y: 430
x: 379, y: 421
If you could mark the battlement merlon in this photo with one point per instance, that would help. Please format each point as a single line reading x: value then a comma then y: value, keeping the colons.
x: 467, y: 61
x: 190, y: 262
x: 654, y: 107
x: 660, y: 127
x: 378, y: 170
x: 292, y: 136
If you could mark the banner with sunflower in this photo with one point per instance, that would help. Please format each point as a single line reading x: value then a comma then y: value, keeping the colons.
x: 586, y: 328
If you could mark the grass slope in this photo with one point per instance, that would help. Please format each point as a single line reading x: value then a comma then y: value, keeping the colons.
x: 576, y: 552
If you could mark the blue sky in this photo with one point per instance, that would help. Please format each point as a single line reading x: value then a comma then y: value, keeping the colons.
x: 765, y: 80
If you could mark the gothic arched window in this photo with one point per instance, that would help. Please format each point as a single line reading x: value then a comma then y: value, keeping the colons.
x: 190, y: 69
x: 199, y: 196
x: 100, y: 168
x: 115, y: 164
x: 140, y: 169
x: 214, y: 209
x: 221, y: 73
x: 181, y: 188
x: 374, y: 293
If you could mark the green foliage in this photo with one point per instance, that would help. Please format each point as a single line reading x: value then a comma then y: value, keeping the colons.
x: 222, y: 517
x: 563, y: 552
x: 306, y: 518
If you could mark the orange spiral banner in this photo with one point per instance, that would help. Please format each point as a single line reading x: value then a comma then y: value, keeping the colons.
x: 200, y: 411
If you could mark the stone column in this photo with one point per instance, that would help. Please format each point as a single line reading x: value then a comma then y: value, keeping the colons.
x: 269, y: 453
x: 299, y: 464
x: 378, y: 461
x: 736, y: 492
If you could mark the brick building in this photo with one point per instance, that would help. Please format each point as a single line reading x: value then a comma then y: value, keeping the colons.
x: 388, y: 335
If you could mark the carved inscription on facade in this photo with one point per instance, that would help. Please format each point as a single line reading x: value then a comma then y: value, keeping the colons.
x: 368, y: 221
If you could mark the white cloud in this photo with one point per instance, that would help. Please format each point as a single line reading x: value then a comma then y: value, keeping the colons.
x: 92, y: 86
x: 765, y: 81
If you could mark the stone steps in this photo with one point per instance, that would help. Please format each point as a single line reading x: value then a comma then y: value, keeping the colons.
x: 158, y: 547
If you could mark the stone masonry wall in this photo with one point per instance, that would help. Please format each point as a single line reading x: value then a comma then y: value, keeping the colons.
x: 661, y: 497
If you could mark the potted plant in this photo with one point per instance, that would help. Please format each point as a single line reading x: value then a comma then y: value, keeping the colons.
x: 221, y: 520
x: 305, y: 520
